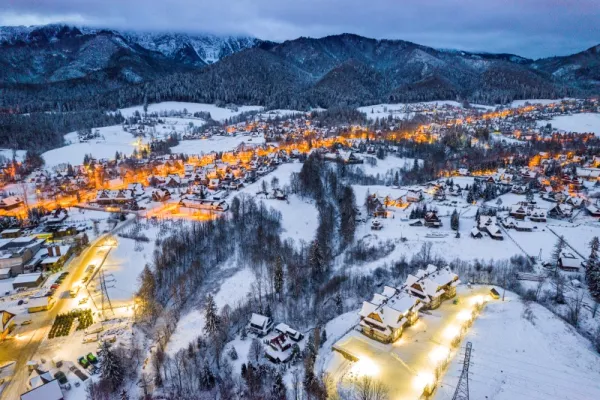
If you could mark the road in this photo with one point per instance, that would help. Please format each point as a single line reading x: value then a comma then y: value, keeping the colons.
x: 26, y: 344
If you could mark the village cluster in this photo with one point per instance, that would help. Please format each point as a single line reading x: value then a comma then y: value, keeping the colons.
x: 45, y: 226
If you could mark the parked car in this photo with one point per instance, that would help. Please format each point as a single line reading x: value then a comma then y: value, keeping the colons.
x: 83, y: 362
x: 62, y: 378
x: 92, y: 358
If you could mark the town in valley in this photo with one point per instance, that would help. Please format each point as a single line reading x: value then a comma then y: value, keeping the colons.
x: 299, y: 201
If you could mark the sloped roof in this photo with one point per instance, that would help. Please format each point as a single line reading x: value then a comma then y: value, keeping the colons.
x: 258, y: 320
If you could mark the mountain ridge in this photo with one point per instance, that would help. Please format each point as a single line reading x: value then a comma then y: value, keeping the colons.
x: 65, y: 65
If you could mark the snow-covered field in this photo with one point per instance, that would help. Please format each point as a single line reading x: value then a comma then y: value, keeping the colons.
x: 517, y: 358
x: 233, y: 289
x: 582, y: 123
x: 215, y: 143
x: 216, y: 113
x: 113, y: 139
x: 521, y: 103
x: 408, y: 110
x: 8, y: 154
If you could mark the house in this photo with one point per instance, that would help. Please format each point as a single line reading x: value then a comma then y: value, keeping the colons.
x: 8, y: 321
x: 32, y: 280
x: 432, y: 220
x: 414, y: 196
x: 16, y: 253
x: 432, y: 285
x: 279, y: 348
x: 518, y: 211
x: 38, y: 378
x: 10, y: 233
x: 417, y: 222
x: 561, y: 210
x: 538, y: 215
x: 386, y: 315
x: 289, y: 332
x: 489, y: 225
x: 516, y: 224
x: 569, y: 262
x: 593, y: 210
x: 57, y: 255
x: 213, y: 184
x: 161, y: 195
x: 47, y: 391
x: 11, y: 202
x: 476, y: 233
x: 260, y: 325
x: 5, y: 273
x: 37, y: 304
x: 519, y: 189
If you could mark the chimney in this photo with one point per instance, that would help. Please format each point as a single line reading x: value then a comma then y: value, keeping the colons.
x: 51, y: 251
x: 58, y: 251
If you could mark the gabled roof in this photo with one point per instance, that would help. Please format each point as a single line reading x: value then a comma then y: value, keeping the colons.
x: 259, y: 320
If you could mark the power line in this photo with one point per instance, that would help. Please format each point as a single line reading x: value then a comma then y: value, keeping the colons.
x: 462, y: 388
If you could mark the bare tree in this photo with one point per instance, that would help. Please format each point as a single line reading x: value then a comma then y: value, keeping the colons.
x: 367, y: 388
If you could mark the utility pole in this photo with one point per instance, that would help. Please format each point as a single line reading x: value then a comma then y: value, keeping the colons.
x: 462, y: 388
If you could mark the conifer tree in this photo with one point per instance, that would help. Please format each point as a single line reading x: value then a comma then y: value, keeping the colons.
x: 279, y: 277
x: 211, y: 317
x: 279, y: 391
x: 111, y: 368
x: 592, y: 273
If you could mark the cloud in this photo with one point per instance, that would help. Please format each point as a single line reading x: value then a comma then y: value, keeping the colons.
x: 532, y: 28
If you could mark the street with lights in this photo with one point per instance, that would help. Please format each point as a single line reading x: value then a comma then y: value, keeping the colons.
x: 29, y: 340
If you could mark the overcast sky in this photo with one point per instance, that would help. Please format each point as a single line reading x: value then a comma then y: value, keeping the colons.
x: 531, y: 28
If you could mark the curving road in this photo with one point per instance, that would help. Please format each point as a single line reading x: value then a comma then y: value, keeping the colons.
x: 26, y: 340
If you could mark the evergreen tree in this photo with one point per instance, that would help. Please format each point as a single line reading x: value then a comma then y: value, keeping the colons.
x: 211, y: 316
x: 278, y: 278
x: 454, y: 220
x: 557, y: 252
x: 111, y: 368
x: 323, y: 337
x: 279, y: 391
x: 233, y: 353
x: 348, y: 215
x: 339, y: 303
x: 124, y: 395
x: 315, y: 259
x: 592, y: 273
x: 470, y: 197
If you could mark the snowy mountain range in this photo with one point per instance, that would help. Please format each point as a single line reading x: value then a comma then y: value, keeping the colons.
x: 74, y: 67
x: 53, y: 53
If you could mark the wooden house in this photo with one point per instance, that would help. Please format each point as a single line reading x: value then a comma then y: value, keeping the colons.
x: 386, y: 315
x: 569, y: 262
x: 432, y: 220
x: 260, y: 325
x: 432, y: 285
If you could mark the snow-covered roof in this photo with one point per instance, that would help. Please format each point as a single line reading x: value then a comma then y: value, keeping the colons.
x: 27, y: 278
x: 259, y: 320
x: 367, y: 308
x: 48, y: 391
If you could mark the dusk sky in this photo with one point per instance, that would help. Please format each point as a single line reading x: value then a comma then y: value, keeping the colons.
x: 531, y: 28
